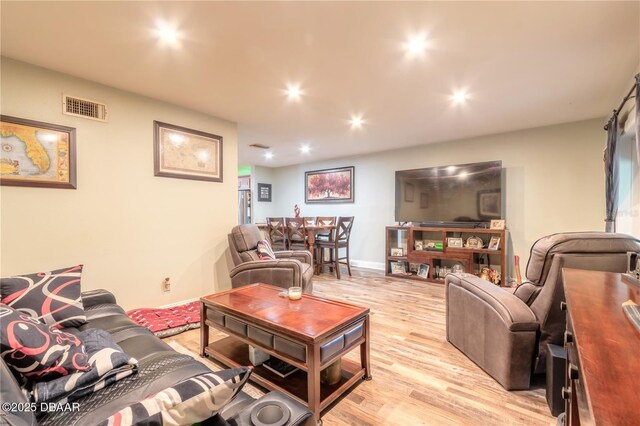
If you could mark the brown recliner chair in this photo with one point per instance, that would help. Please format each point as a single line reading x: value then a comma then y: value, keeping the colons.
x: 507, y: 334
x: 291, y: 268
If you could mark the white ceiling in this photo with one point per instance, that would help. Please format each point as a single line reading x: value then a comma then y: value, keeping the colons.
x: 524, y: 65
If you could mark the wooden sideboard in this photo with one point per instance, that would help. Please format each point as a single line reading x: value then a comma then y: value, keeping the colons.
x: 603, y: 350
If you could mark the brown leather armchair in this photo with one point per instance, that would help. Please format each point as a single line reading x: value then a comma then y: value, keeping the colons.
x: 291, y: 268
x: 507, y: 334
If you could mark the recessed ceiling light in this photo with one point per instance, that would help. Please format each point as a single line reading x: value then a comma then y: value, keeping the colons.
x: 356, y: 121
x: 293, y: 92
x: 305, y: 149
x: 459, y: 96
x: 416, y: 45
x: 268, y: 155
x: 167, y: 34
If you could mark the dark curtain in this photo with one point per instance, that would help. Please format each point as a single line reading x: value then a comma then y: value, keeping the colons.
x: 611, y: 174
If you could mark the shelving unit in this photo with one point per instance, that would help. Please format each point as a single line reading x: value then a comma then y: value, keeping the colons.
x: 471, y: 259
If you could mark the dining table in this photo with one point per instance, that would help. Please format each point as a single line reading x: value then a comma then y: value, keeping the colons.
x: 311, y: 231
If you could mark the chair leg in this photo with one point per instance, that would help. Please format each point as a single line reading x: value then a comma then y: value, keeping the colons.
x: 348, y: 262
x: 336, y: 260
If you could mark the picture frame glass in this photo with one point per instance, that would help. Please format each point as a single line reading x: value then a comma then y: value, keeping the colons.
x: 330, y: 186
x: 186, y: 153
x: 37, y: 154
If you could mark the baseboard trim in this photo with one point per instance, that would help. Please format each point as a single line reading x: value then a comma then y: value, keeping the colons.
x: 365, y: 264
x: 181, y: 302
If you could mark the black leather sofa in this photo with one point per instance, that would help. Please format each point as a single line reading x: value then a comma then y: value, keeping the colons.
x: 159, y: 367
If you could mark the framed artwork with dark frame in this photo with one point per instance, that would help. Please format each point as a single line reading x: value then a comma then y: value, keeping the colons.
x: 329, y: 186
x: 489, y: 204
x: 264, y: 192
x: 184, y: 153
x: 37, y: 154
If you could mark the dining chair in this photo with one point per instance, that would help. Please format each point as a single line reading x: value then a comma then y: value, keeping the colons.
x: 296, y: 233
x: 309, y: 221
x: 325, y: 221
x: 277, y: 233
x: 340, y: 241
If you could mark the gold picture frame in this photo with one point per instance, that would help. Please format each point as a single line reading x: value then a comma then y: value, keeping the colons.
x: 37, y: 154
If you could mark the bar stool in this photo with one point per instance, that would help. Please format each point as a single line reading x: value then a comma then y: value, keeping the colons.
x: 325, y: 221
x: 277, y: 233
x: 296, y: 233
x: 340, y: 240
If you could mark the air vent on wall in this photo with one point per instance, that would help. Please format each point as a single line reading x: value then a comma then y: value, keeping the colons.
x: 258, y: 145
x: 72, y: 105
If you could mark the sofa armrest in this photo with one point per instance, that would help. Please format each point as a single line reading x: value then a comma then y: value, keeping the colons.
x: 527, y: 292
x: 282, y: 273
x: 303, y: 256
x: 97, y: 297
x: 515, y: 314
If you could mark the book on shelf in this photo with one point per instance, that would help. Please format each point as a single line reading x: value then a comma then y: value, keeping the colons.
x: 279, y: 367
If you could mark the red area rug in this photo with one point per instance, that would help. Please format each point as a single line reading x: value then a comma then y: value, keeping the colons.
x: 165, y: 322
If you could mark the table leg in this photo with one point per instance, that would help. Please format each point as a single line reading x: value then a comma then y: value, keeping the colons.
x: 313, y: 380
x: 204, y: 330
x: 311, y: 240
x: 364, y: 350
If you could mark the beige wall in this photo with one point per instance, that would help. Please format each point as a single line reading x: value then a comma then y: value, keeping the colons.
x: 129, y: 228
x: 554, y: 182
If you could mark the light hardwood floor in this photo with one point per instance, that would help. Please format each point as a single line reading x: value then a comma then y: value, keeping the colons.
x: 418, y: 377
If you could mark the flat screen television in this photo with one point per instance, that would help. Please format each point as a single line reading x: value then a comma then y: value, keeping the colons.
x: 456, y: 194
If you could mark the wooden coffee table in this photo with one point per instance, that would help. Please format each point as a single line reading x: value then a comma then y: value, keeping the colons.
x: 311, y: 334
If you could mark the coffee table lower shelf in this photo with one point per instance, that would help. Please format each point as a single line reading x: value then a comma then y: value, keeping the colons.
x: 235, y: 353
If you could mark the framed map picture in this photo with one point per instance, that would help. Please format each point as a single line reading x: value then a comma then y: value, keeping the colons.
x: 186, y: 154
x: 329, y: 186
x: 37, y: 154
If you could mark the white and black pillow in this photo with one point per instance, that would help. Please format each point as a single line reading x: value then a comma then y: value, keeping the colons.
x: 35, y: 352
x: 51, y: 297
x: 265, y: 252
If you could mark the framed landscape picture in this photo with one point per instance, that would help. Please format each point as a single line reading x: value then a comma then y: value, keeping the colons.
x: 37, y: 154
x: 329, y: 186
x: 186, y: 154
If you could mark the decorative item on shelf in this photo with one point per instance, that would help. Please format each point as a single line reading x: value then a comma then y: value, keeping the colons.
x: 444, y: 270
x: 494, y: 244
x: 331, y: 374
x: 433, y: 245
x: 497, y: 224
x: 423, y: 270
x: 474, y: 242
x: 413, y: 267
x: 454, y: 242
x: 418, y: 245
x: 489, y: 274
x: 296, y: 210
x: 458, y: 268
x: 398, y: 268
x: 397, y: 251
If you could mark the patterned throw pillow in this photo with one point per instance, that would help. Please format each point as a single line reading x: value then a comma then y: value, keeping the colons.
x: 35, y: 352
x: 265, y: 252
x: 51, y: 297
x: 190, y: 401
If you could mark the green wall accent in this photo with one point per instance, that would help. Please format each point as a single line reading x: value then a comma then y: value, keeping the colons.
x: 244, y: 170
